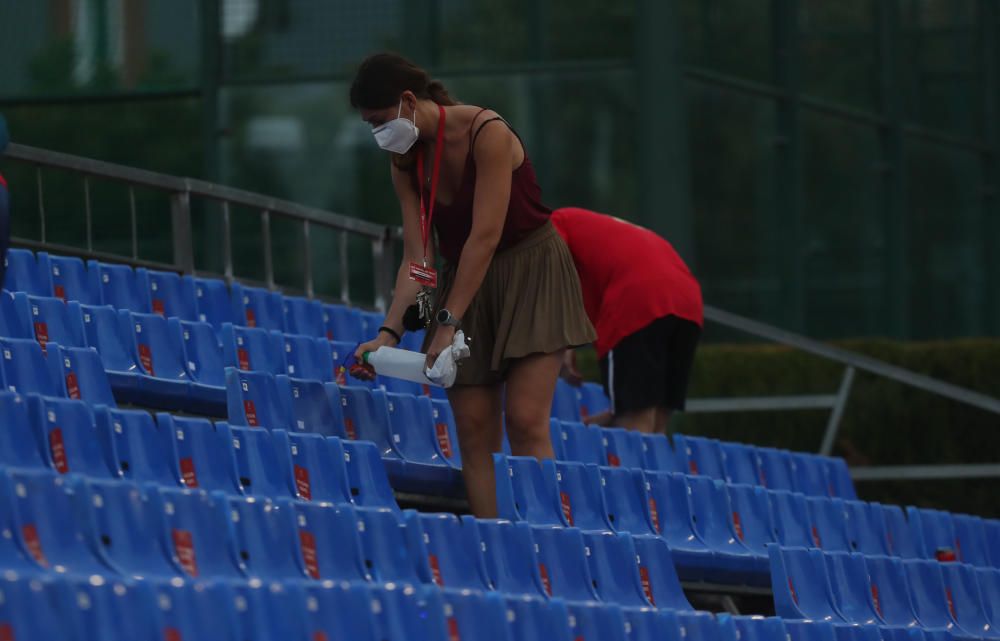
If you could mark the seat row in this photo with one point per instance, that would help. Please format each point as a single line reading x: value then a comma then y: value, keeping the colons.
x: 730, y: 462
x: 185, y: 297
x: 718, y: 532
x: 847, y: 588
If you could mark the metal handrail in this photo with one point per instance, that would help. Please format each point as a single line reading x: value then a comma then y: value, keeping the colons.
x: 181, y: 190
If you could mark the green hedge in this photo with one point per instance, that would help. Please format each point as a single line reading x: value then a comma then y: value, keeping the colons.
x: 885, y: 423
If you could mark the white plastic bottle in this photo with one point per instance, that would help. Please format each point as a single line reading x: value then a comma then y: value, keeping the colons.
x: 398, y: 363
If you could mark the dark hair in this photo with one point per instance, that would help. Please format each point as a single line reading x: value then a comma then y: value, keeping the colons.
x: 382, y: 77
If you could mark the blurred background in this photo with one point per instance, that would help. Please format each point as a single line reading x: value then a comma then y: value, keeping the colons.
x: 830, y: 167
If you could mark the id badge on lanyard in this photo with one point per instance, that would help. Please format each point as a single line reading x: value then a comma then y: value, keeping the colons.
x: 422, y: 272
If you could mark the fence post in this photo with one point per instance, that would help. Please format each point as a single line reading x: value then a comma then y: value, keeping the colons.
x: 833, y: 425
x: 180, y: 212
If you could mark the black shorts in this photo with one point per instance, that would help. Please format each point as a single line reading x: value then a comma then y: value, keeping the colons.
x: 651, y: 367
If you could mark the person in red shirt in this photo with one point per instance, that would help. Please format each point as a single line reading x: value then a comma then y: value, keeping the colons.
x: 647, y: 309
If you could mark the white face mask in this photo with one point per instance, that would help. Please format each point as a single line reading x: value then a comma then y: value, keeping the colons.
x: 397, y: 135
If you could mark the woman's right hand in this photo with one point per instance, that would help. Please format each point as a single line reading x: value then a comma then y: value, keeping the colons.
x: 383, y: 338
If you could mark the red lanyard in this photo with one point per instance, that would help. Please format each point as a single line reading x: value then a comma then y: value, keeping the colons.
x: 427, y: 212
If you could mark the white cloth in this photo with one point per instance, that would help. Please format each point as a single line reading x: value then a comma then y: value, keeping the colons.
x: 445, y: 368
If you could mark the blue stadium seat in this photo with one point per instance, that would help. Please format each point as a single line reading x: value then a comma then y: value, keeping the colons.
x: 510, y: 557
x: 268, y: 610
x: 899, y: 534
x: 254, y: 399
x: 623, y: 448
x: 791, y: 520
x: 476, y: 616
x: 890, y: 591
x: 260, y: 307
x: 366, y: 474
x: 934, y: 532
x: 14, y: 558
x: 612, y: 560
x: 597, y: 621
x: 929, y: 597
x: 12, y: 318
x: 79, y: 374
x: 527, y: 490
x: 850, y: 588
x: 991, y: 528
x: 740, y: 463
x: 46, y: 527
x: 409, y: 614
x: 342, y: 356
x: 262, y: 471
x: 811, y: 474
x: 24, y: 274
x: 970, y: 539
x: 866, y: 527
x: 50, y: 320
x: 140, y: 450
x: 562, y: 562
x: 111, y: 610
x: 812, y: 631
x: 581, y: 495
x: 339, y: 611
x: 626, y: 497
x: 829, y: 519
x: 195, y: 611
x: 657, y: 574
x: 366, y: 417
x: 699, y: 455
x: 124, y: 527
x: 839, y: 477
x: 27, y: 609
x: 329, y: 540
x: 312, y: 408
x: 389, y: 555
x: 534, y: 619
x: 555, y: 435
x: 24, y: 367
x: 253, y: 350
x: 119, y: 287
x: 698, y: 625
x: 104, y: 333
x: 317, y: 467
x: 565, y: 404
x: 308, y: 358
x: 453, y: 548
x: 198, y: 532
x: 965, y: 600
x: 751, y: 517
x: 205, y: 365
x: 266, y: 538
x: 776, y: 469
x: 801, y: 585
x: 446, y: 432
x: 343, y: 324
x: 170, y: 295
x: 659, y: 454
x: 752, y: 628
x: 714, y: 525
x: 304, y: 316
x: 215, y: 307
x: 204, y: 454
x: 370, y: 322
x: 583, y: 444
x: 71, y: 280
x: 594, y: 400
x: 19, y: 444
x: 411, y: 421
x: 989, y: 587
x: 399, y: 386
x: 67, y: 433
x: 671, y: 500
x: 163, y: 379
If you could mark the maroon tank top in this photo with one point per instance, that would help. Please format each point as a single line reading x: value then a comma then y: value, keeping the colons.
x: 525, y: 213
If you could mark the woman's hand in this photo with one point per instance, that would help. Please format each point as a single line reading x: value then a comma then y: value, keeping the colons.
x: 383, y: 338
x: 444, y: 336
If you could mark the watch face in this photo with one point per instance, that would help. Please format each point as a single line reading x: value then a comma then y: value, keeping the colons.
x: 443, y: 316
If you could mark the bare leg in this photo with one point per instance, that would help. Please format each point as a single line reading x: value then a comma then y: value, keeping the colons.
x: 480, y: 430
x: 639, y: 420
x: 531, y: 384
x: 663, y: 419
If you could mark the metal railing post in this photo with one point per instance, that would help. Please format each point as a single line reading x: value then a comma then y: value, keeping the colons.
x: 265, y: 225
x: 382, y: 256
x: 833, y: 425
x: 180, y: 212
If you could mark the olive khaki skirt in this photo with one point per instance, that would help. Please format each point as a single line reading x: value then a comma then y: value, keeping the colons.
x: 529, y: 303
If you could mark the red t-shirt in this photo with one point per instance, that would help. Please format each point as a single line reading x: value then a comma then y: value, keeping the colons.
x: 3, y: 183
x: 630, y: 276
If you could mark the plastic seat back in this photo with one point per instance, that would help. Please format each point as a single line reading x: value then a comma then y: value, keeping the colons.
x: 476, y: 616
x: 670, y: 497
x: 562, y: 563
x: 366, y: 417
x: 965, y: 599
x: 252, y: 349
x: 410, y: 614
x: 71, y: 280
x: 170, y: 295
x: 266, y: 538
x: 890, y: 591
x: 751, y: 517
x: 801, y: 585
x: 68, y: 434
x: 527, y: 490
x: 581, y: 496
x: 446, y: 431
x: 104, y: 333
x: 317, y: 467
x: 583, y: 444
x: 366, y: 474
x: 15, y: 557
x: 810, y: 474
x: 311, y: 408
x: 158, y: 346
x: 989, y: 587
x: 25, y: 370
x: 713, y: 516
x: 52, y: 320
x: 213, y: 302
x: 389, y: 554
x: 510, y: 557
x: 308, y: 358
x: 659, y: 454
x: 658, y: 575
x: 740, y: 463
x: 699, y: 455
x: 202, y: 351
x: 204, y: 453
x: 453, y: 547
x: 623, y: 448
x: 851, y: 589
x: 866, y: 527
x: 899, y: 535
x: 260, y: 307
x: 411, y: 420
x: 25, y: 274
x: 331, y: 546
x: 597, y: 621
x: 533, y: 619
x: 752, y: 628
x: 839, y: 478
x: 776, y: 469
x: 196, y: 611
x: 970, y: 539
x: 198, y: 533
x: 791, y: 520
x: 268, y: 610
x: 142, y: 452
x: 935, y: 530
x: 626, y: 498
x: 19, y: 444
x: 594, y: 400
x: 612, y: 560
x: 119, y: 287
x: 338, y: 611
x: 254, y: 400
x: 565, y: 403
x: 14, y: 319
x: 27, y: 609
x: 262, y: 470
x: 79, y: 374
x: 927, y: 594
x: 110, y: 610
x: 304, y: 316
x: 829, y: 520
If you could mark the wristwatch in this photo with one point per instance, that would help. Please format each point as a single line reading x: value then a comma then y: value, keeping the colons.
x: 444, y: 317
